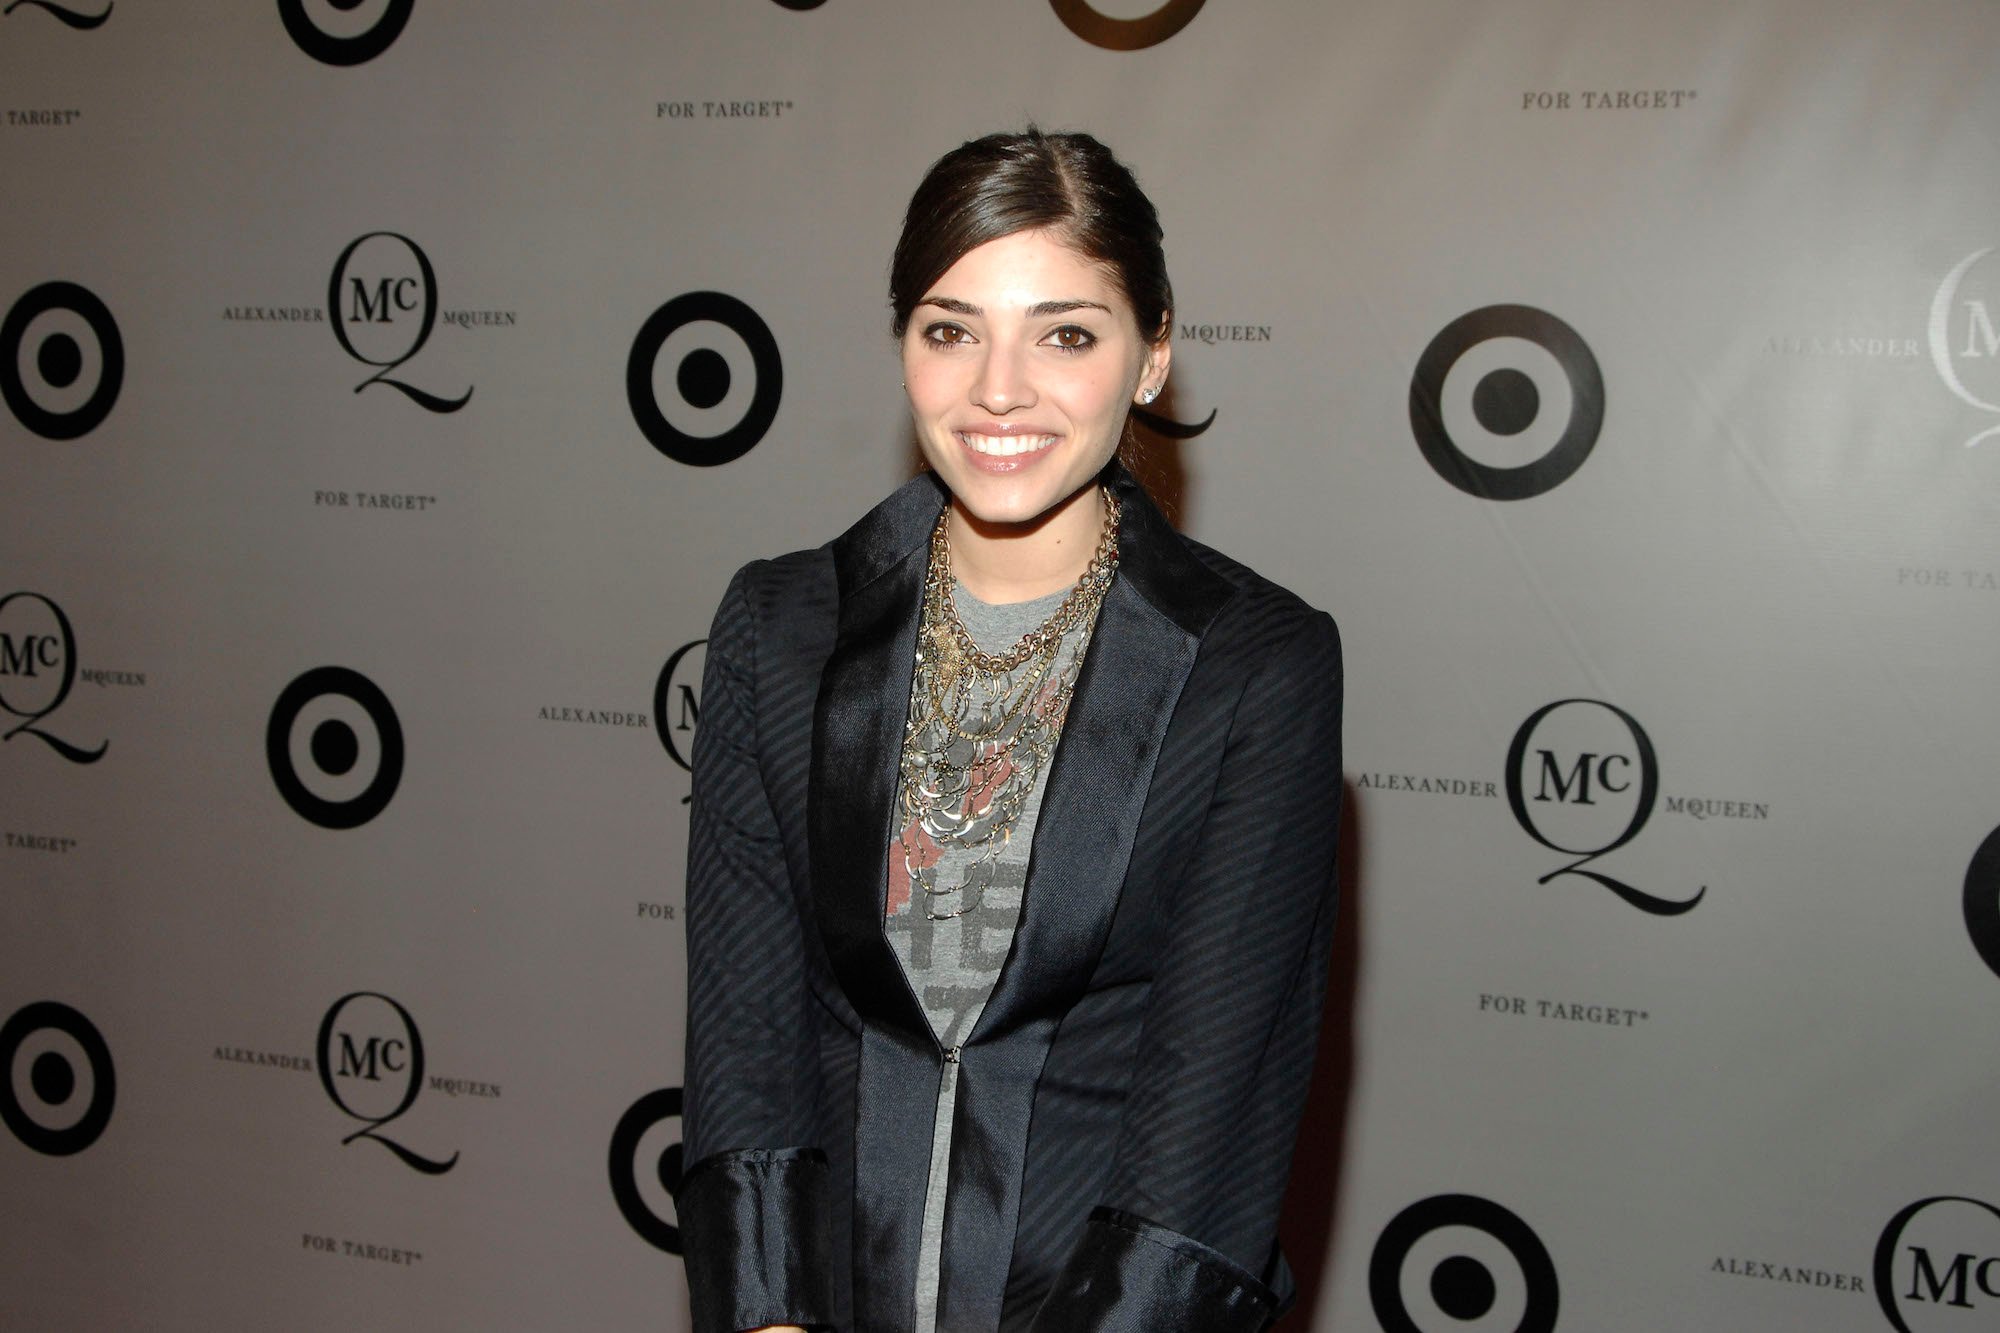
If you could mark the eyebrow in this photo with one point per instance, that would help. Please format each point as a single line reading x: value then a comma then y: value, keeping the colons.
x: 1040, y: 310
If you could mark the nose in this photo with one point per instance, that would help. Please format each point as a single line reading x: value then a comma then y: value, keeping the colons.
x: 1004, y: 381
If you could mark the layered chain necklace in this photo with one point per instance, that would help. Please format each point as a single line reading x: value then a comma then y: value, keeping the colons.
x: 983, y: 727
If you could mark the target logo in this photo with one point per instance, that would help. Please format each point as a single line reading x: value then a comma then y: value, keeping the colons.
x: 1132, y: 34
x: 677, y: 702
x: 1937, y: 1262
x: 345, y: 32
x: 646, y: 1167
x: 371, y: 1064
x: 383, y: 303
x: 38, y: 670
x: 1982, y: 900
x: 335, y: 747
x: 1506, y: 402
x: 704, y: 379
x: 1582, y: 780
x: 60, y: 1084
x: 1464, y: 1264
x: 61, y: 361
x: 1965, y: 340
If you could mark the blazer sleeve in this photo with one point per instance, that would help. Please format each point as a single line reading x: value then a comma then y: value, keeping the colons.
x: 1185, y: 1238
x: 753, y: 1207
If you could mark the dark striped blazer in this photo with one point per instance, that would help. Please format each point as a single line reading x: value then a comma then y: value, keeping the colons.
x: 1128, y: 1099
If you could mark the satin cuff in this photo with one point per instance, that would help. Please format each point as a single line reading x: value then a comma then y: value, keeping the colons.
x: 1128, y: 1275
x: 755, y: 1227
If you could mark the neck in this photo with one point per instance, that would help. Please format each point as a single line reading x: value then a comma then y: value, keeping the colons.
x: 1017, y: 562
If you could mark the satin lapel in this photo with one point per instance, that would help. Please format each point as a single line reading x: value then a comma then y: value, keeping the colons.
x: 864, y: 696
x: 1141, y: 652
x: 857, y: 747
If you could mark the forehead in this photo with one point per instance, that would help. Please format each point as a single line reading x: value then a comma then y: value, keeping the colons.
x: 1025, y: 269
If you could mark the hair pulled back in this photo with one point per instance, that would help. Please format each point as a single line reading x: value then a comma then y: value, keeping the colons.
x: 1000, y: 184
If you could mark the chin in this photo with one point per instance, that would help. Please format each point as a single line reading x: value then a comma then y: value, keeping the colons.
x: 1006, y: 500
x: 1017, y: 497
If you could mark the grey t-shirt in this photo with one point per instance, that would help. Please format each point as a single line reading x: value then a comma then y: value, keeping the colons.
x: 951, y: 964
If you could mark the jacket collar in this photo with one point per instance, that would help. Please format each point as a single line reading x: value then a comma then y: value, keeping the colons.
x: 1153, y: 616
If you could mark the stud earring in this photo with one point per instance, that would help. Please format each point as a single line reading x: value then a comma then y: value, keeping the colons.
x: 1149, y: 394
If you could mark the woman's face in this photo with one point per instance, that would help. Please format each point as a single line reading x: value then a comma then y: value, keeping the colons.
x: 1021, y: 362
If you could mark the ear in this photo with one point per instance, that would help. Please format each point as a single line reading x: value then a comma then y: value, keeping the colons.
x: 1159, y: 358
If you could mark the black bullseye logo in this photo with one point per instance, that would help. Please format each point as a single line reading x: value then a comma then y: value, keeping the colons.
x: 677, y: 702
x: 723, y: 379
x: 383, y: 303
x: 38, y: 670
x: 1465, y: 1264
x: 1982, y: 900
x: 646, y: 1167
x: 1100, y: 29
x: 60, y: 1086
x: 1943, y: 1251
x: 335, y: 747
x: 1582, y: 780
x: 61, y: 360
x: 332, y: 42
x: 1506, y: 402
x: 371, y: 1064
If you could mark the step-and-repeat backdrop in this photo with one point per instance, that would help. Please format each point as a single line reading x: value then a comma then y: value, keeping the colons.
x: 390, y: 387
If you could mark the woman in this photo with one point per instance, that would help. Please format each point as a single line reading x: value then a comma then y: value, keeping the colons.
x: 929, y: 1087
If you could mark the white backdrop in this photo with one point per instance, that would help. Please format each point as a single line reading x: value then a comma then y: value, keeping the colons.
x: 1623, y: 377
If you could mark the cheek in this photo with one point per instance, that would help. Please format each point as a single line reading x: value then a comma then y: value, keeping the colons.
x: 928, y: 383
x: 1098, y: 397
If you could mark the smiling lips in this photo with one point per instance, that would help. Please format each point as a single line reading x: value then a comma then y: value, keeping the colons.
x: 1004, y: 446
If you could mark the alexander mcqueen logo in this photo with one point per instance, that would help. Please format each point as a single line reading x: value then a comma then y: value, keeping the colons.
x: 704, y: 379
x: 1100, y: 29
x: 1982, y: 900
x: 335, y: 747
x: 677, y: 702
x: 1446, y: 1261
x: 334, y: 40
x: 371, y: 1063
x: 383, y: 303
x: 1506, y: 402
x: 75, y: 18
x: 1965, y: 340
x: 1937, y: 1265
x: 38, y: 670
x: 78, y: 360
x: 57, y: 1083
x: 646, y: 1167
x: 1582, y: 779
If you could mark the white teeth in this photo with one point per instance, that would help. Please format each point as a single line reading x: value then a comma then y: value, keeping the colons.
x: 1003, y: 446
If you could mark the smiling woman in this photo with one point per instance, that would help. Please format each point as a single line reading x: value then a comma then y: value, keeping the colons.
x: 1010, y: 881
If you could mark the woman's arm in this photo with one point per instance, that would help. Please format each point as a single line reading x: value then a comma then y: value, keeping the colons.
x: 753, y: 1207
x: 1186, y: 1237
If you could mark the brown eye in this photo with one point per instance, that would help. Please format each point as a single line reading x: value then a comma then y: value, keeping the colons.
x: 947, y: 335
x: 1072, y: 338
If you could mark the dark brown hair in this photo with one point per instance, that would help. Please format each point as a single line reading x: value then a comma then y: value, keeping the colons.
x: 1006, y: 183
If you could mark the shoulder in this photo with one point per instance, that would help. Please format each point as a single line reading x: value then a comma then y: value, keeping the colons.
x: 773, y: 585
x: 812, y: 582
x: 1261, y: 616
